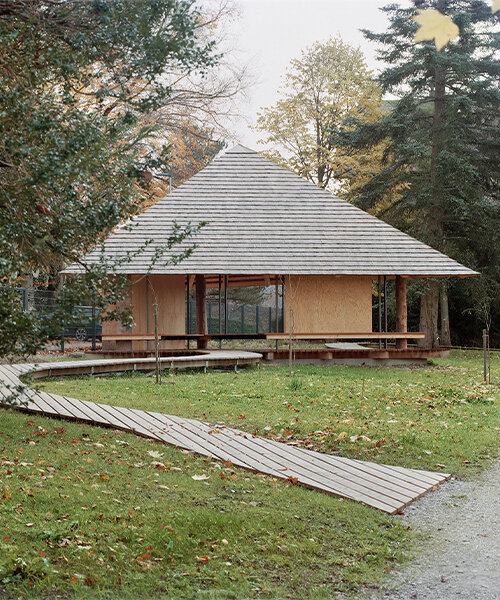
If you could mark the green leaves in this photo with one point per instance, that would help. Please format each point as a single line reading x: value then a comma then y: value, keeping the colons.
x: 75, y: 79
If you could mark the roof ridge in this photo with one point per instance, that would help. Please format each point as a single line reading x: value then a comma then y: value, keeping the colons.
x: 240, y: 149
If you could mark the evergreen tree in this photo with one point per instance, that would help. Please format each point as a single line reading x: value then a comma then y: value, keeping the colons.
x: 440, y: 182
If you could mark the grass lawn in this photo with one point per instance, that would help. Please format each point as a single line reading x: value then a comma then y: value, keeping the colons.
x: 85, y: 513
x: 439, y: 417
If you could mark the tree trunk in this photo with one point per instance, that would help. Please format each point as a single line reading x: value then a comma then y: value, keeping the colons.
x: 201, y: 309
x: 320, y: 169
x: 429, y: 303
x: 445, y: 316
x: 30, y: 292
x: 429, y: 310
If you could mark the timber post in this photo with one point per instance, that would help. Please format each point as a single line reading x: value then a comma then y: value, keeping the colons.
x: 201, y: 309
x: 401, y: 311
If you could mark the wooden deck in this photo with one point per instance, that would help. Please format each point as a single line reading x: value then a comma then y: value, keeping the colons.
x: 385, y: 487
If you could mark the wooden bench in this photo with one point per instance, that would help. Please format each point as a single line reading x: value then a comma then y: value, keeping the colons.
x: 372, y: 335
x: 119, y: 337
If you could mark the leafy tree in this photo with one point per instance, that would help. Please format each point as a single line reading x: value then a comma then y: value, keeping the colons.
x: 329, y: 84
x: 206, y: 102
x: 190, y: 149
x: 76, y: 78
x: 191, y: 152
x: 442, y: 137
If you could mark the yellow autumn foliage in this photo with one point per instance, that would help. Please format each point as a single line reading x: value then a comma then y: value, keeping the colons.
x: 328, y: 85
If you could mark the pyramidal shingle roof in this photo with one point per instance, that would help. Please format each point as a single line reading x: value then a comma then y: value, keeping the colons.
x: 263, y: 219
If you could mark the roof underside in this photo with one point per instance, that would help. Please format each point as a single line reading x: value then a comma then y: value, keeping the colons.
x: 264, y: 219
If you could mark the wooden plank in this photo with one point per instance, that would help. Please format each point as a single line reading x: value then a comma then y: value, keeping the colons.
x: 72, y: 409
x: 300, y: 466
x: 57, y: 402
x: 89, y: 408
x: 9, y: 375
x: 167, y: 431
x: 370, y: 480
x: 118, y: 418
x: 194, y: 442
x: 127, y: 336
x: 381, y: 486
x: 39, y: 405
x: 409, y: 476
x: 279, y: 465
x: 140, y: 422
x: 301, y: 456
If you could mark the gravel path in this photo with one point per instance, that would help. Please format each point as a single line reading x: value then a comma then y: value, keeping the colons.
x: 462, y: 555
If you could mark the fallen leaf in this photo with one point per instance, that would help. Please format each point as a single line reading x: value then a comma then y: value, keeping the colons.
x: 159, y: 465
x: 155, y: 454
x: 435, y: 26
x: 199, y: 477
x: 42, y: 209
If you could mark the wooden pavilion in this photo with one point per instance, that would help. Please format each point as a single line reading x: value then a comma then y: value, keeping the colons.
x: 266, y: 226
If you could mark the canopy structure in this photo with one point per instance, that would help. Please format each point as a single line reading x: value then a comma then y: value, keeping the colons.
x: 262, y: 218
x: 266, y: 226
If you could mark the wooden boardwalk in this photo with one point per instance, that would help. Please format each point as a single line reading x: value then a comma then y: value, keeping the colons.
x: 387, y: 488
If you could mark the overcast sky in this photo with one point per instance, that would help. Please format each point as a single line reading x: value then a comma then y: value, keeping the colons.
x: 269, y: 33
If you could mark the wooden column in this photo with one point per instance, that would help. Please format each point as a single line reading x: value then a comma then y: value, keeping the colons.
x: 401, y: 311
x: 201, y: 309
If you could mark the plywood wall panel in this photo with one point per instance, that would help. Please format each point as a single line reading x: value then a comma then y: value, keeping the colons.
x: 169, y: 291
x: 328, y: 304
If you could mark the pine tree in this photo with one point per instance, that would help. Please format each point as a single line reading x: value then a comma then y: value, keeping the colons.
x: 440, y: 182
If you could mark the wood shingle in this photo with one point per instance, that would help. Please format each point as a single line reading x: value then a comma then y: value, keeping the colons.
x: 262, y: 219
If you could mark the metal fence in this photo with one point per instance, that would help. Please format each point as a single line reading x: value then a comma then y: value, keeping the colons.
x: 83, y: 325
x: 241, y: 318
x: 38, y: 299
